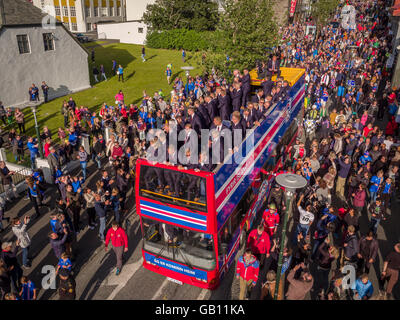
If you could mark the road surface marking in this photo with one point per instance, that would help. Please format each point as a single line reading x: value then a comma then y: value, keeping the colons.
x: 121, y: 281
x: 202, y: 294
x: 158, y: 293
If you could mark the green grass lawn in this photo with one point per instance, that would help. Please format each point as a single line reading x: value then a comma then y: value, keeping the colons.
x: 138, y: 76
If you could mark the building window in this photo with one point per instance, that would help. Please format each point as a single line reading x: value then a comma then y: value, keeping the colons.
x: 58, y: 10
x: 89, y: 27
x: 96, y: 11
x: 48, y: 41
x: 23, y: 43
x: 87, y: 11
x: 66, y: 25
x: 65, y: 11
x: 73, y: 11
x: 140, y: 30
x: 74, y: 26
x: 118, y: 11
x: 103, y: 11
x: 111, y: 11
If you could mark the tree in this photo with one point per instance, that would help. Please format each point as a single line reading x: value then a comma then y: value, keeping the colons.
x: 199, y: 15
x: 322, y: 10
x: 246, y: 28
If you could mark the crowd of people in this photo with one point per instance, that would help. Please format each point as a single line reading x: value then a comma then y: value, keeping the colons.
x: 350, y: 158
x: 350, y: 162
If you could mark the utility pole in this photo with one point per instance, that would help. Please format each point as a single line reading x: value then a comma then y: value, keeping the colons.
x: 290, y: 182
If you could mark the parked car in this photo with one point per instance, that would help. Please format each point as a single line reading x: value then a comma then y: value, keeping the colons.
x: 81, y: 37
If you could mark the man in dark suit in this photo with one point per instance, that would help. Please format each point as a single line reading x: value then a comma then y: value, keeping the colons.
x: 247, y: 120
x: 72, y: 103
x: 211, y: 105
x: 258, y: 96
x: 253, y: 114
x: 202, y: 109
x: 171, y: 176
x: 267, y: 85
x: 237, y: 128
x: 225, y: 108
x: 195, y: 121
x: 273, y: 67
x: 245, y: 80
x: 285, y: 89
x: 236, y: 94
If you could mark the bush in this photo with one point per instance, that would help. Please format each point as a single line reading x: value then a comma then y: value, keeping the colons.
x: 189, y: 40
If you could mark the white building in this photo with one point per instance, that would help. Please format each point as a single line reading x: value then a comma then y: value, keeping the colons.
x: 83, y: 15
x: 133, y: 32
x: 32, y: 53
x: 136, y: 8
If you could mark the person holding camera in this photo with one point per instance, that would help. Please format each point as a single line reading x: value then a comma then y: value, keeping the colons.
x: 305, y: 220
x: 298, y: 288
x: 19, y: 229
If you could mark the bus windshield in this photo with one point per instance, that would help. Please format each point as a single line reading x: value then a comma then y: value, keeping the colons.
x: 173, y: 187
x: 194, y: 249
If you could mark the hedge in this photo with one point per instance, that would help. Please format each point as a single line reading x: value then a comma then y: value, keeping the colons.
x: 189, y: 40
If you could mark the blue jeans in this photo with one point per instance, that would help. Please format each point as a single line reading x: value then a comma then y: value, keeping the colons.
x: 97, y: 158
x: 84, y: 165
x: 374, y: 224
x: 373, y: 195
x: 301, y: 228
x: 116, y: 215
x: 33, y: 162
x: 102, y: 227
x: 25, y: 252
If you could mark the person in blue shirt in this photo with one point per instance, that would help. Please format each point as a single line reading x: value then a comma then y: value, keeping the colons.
x: 362, y: 288
x: 74, y: 139
x: 28, y: 289
x: 151, y: 122
x: 376, y: 182
x: 120, y: 73
x: 77, y: 183
x: 365, y: 158
x: 34, y: 151
x: 115, y: 203
x: 55, y: 226
x: 183, y: 55
x: 64, y: 263
x: 385, y: 196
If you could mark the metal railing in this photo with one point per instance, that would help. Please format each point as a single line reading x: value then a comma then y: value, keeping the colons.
x: 18, y: 177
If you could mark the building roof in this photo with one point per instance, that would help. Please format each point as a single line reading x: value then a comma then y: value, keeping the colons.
x: 19, y: 12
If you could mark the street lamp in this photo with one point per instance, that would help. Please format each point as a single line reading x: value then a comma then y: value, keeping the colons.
x: 33, y: 108
x: 187, y: 71
x: 290, y: 182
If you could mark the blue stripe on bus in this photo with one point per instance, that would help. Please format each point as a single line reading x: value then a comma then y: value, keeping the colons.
x: 174, y: 210
x: 167, y: 218
x: 176, y: 267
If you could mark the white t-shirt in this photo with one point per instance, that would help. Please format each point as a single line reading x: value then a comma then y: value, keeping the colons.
x: 306, y: 217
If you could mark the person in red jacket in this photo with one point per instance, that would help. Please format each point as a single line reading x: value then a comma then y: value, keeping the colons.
x: 117, y: 151
x: 247, y: 273
x: 119, y: 241
x: 271, y: 219
x: 391, y: 127
x: 259, y: 243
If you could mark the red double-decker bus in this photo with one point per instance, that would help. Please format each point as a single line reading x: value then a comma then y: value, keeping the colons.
x: 195, y: 240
